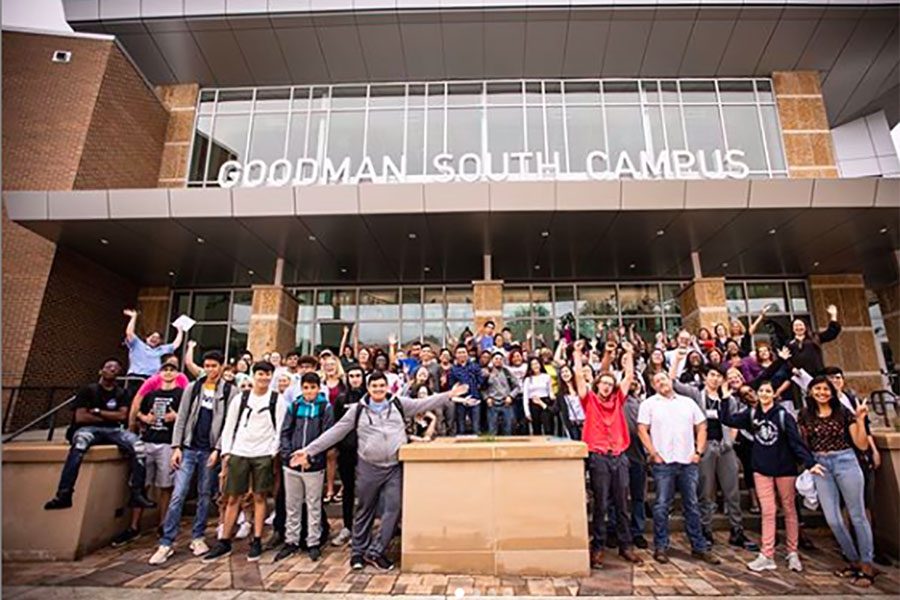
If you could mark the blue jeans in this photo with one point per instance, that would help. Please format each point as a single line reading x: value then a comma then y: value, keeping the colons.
x: 495, y: 412
x: 191, y: 460
x: 637, y: 483
x: 474, y: 414
x: 684, y: 477
x: 85, y: 437
x: 844, y: 479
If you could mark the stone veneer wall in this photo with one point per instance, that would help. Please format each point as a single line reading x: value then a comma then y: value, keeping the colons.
x: 804, y: 125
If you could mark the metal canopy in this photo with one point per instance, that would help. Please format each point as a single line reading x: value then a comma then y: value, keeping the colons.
x: 853, y: 45
x: 448, y: 247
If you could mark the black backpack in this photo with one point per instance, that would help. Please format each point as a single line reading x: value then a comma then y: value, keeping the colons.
x: 245, y: 398
x: 394, y: 400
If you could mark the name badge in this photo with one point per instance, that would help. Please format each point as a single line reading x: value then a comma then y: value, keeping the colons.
x: 712, y: 414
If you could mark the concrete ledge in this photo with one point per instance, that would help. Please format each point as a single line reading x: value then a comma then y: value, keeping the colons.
x: 505, y: 448
x: 885, y: 518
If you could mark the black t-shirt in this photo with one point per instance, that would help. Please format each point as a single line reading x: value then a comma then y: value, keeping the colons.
x: 159, y: 403
x: 96, y: 396
x: 713, y: 424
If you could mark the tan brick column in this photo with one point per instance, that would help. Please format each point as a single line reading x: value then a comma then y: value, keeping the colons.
x: 487, y: 298
x: 153, y: 304
x: 804, y: 124
x: 889, y: 300
x: 273, y: 322
x: 181, y: 102
x: 703, y: 304
x: 854, y: 350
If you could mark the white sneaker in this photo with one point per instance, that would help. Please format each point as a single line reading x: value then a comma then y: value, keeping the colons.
x: 342, y: 537
x: 161, y: 555
x: 794, y: 563
x: 244, y: 530
x: 199, y: 547
x: 219, y: 531
x: 270, y: 520
x: 762, y: 563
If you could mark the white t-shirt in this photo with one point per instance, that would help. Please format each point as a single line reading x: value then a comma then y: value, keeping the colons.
x: 252, y: 434
x: 671, y: 422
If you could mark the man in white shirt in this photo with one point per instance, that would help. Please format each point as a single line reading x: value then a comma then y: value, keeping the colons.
x: 248, y: 445
x: 683, y: 341
x: 672, y: 429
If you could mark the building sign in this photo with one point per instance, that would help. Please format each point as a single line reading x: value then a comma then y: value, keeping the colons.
x: 470, y: 167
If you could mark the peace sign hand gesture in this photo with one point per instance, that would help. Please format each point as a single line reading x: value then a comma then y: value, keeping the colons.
x: 862, y: 409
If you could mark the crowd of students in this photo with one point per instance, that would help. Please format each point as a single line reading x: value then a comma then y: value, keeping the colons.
x: 697, y: 413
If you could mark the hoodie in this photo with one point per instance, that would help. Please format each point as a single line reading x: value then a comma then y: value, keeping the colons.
x: 777, y: 445
x: 303, y: 422
x: 380, y: 432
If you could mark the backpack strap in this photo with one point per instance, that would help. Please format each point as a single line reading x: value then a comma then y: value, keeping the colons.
x: 273, y: 405
x: 245, y: 398
x: 359, y: 409
x: 399, y: 406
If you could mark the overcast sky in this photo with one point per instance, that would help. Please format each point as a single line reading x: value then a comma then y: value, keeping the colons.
x: 36, y: 14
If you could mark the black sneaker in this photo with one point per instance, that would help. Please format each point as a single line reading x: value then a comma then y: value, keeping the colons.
x: 612, y: 541
x: 708, y: 535
x: 127, y: 536
x: 139, y: 500
x: 314, y: 553
x: 357, y: 563
x: 738, y: 539
x: 706, y: 556
x: 805, y: 543
x: 286, y: 550
x: 275, y: 540
x: 640, y: 542
x: 58, y: 502
x: 380, y: 562
x: 255, y: 549
x: 221, y: 549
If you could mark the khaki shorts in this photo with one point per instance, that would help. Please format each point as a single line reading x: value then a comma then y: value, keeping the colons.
x: 249, y: 474
x: 158, y: 464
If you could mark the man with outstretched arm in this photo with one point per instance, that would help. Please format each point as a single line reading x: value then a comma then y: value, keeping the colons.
x: 380, y: 426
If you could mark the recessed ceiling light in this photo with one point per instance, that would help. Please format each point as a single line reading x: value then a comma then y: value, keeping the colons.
x: 772, y: 231
x: 104, y: 241
x: 171, y: 273
x: 724, y: 265
x: 343, y: 270
x: 427, y: 269
x: 311, y: 238
x: 411, y: 235
x: 632, y: 265
x: 250, y: 272
x: 660, y: 232
x: 537, y: 267
x: 883, y: 230
x: 200, y: 240
x: 816, y: 264
x: 545, y: 234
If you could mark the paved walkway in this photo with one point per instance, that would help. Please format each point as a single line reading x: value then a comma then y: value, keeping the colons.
x: 331, y: 577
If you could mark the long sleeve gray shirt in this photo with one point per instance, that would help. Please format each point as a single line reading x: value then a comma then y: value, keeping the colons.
x: 501, y: 384
x: 380, y: 433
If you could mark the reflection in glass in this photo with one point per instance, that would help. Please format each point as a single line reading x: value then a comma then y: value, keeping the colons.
x: 703, y: 129
x: 412, y: 303
x: 597, y: 300
x: 639, y: 300
x: 201, y: 148
x: 305, y: 308
x: 464, y: 132
x: 379, y: 304
x: 764, y: 294
x: 229, y: 141
x: 210, y: 306
x: 505, y: 134
x: 267, y: 137
x: 516, y: 303
x: 625, y: 129
x: 797, y: 291
x: 742, y: 129
x: 459, y: 303
x: 734, y: 298
x: 434, y: 303
x: 208, y: 337
x: 237, y: 342
x: 241, y: 306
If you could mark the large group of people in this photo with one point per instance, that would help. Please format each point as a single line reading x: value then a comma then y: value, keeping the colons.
x: 699, y: 413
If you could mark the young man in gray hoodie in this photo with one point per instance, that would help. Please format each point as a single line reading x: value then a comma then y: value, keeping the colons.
x: 378, y: 420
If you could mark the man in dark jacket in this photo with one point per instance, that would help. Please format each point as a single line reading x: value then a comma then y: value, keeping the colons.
x: 356, y: 389
x: 305, y: 420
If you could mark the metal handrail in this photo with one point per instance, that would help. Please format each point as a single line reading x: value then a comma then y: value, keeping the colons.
x: 49, y: 414
x: 52, y: 412
x: 880, y: 399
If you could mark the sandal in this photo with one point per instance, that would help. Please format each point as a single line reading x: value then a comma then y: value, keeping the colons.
x: 863, y: 580
x: 846, y: 573
x: 339, y: 496
x: 328, y: 498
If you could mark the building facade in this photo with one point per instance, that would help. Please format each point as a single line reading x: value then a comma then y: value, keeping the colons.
x: 281, y: 170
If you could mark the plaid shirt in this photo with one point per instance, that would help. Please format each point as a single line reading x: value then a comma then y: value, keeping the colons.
x: 470, y: 374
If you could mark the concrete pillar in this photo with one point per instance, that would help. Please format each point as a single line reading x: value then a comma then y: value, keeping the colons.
x: 181, y: 102
x: 889, y: 301
x: 487, y: 300
x: 273, y: 320
x: 153, y: 304
x: 703, y: 303
x: 804, y: 125
x: 855, y: 349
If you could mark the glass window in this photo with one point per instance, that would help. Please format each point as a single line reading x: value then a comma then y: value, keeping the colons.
x: 234, y: 101
x: 674, y: 127
x: 410, y: 332
x: 543, y: 331
x: 412, y: 303
x: 463, y: 132
x: 766, y: 294
x: 505, y: 93
x: 211, y: 306
x: 201, y: 148
x: 646, y: 327
x: 742, y: 129
x: 564, y: 300
x: 556, y: 141
x: 639, y: 300
x: 671, y: 301
x: 773, y: 137
x: 704, y: 131
x: 379, y: 304
x: 229, y: 141
x: 734, y: 298
x: 386, y: 96
x: 345, y: 138
x: 693, y: 92
x: 620, y: 92
x: 300, y: 101
x: 181, y: 304
x: 737, y: 91
x: 597, y: 300
x: 459, y: 303
x: 348, y: 97
x: 585, y: 129
x: 799, y: 304
x: 415, y: 138
x: 237, y: 341
x: 433, y: 333
x: 535, y: 131
x: 505, y: 134
x: 582, y: 92
x: 435, y: 133
x: 304, y: 338
x: 434, y: 303
x: 297, y: 137
x: 267, y: 137
x: 305, y: 308
x: 272, y: 99
x: 541, y: 307
x: 336, y: 304
x: 385, y: 137
x: 207, y: 102
x: 516, y: 303
x: 241, y: 307
x: 625, y: 130
x: 464, y: 94
x: 208, y: 337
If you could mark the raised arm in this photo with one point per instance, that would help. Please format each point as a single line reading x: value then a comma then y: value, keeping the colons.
x: 757, y: 321
x: 559, y: 357
x: 628, y: 366
x: 834, y: 328
x: 685, y: 389
x: 189, y: 363
x: 609, y: 353
x: 333, y: 435
x: 392, y: 349
x: 578, y: 368
x: 678, y: 355
x: 434, y: 402
x: 737, y: 419
x: 131, y: 325
x: 179, y: 337
x: 344, y: 335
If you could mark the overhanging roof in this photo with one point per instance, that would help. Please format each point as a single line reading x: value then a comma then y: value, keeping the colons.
x: 572, y: 231
x: 255, y: 42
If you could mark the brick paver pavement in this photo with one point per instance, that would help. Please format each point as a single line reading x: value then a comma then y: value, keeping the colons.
x: 127, y: 569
